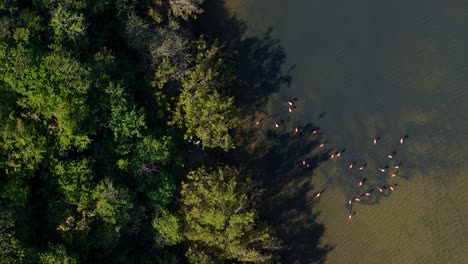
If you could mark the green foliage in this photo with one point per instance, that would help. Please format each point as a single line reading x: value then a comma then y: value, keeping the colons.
x: 209, y: 117
x: 201, y: 108
x: 87, y: 159
x: 220, y: 219
x: 126, y: 122
x: 185, y: 9
x: 11, y: 251
x: 152, y: 150
x: 51, y: 88
x: 98, y: 217
x: 159, y: 188
x: 171, y: 44
x: 22, y: 149
x: 74, y: 179
x: 32, y: 20
x: 138, y: 32
x: 111, y: 203
x: 167, y: 228
x: 57, y: 254
x: 67, y: 21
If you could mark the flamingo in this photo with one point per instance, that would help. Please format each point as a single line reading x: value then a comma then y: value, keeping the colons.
x: 398, y: 165
x: 375, y: 140
x: 319, y: 193
x: 402, y: 139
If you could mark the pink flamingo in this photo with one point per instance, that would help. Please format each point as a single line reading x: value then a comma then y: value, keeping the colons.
x: 398, y: 165
x: 375, y: 140
x: 402, y: 139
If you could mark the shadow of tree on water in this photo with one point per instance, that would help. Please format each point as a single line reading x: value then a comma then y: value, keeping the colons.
x: 288, y: 199
x: 257, y: 61
x: 274, y: 156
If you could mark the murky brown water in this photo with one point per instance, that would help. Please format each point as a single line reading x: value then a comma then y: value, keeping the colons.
x: 388, y: 69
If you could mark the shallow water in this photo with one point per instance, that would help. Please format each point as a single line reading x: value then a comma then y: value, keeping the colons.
x: 382, y: 69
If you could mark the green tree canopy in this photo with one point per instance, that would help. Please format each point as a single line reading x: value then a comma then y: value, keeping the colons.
x: 186, y: 9
x: 11, y: 250
x: 220, y: 219
x: 167, y: 226
x: 51, y: 88
x: 57, y: 254
x: 201, y: 108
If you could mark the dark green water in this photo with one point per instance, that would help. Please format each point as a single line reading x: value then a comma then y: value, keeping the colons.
x: 380, y: 68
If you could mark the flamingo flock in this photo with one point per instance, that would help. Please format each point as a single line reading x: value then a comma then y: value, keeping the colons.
x: 387, y: 171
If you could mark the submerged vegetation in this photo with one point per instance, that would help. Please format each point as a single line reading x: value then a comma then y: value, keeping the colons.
x: 114, y: 117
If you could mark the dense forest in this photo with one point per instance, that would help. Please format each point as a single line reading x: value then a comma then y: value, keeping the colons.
x: 124, y: 130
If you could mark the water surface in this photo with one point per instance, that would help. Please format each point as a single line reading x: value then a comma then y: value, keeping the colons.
x: 380, y: 68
